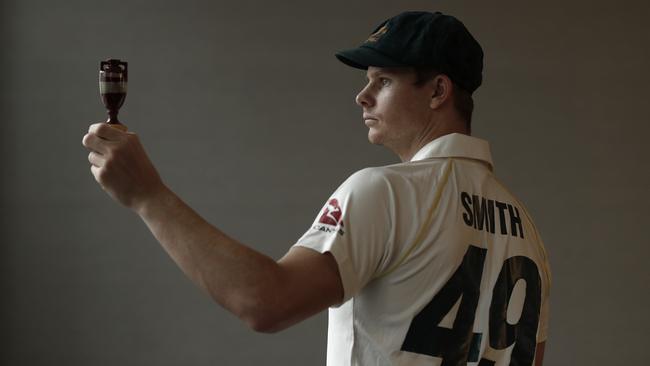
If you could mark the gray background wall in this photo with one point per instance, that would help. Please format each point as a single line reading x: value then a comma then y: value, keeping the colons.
x: 251, y: 120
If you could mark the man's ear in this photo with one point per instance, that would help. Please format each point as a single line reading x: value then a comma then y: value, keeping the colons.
x: 441, y: 90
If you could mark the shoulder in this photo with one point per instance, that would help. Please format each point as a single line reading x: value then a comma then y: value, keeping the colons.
x: 373, y: 179
x: 368, y: 175
x: 368, y: 186
x: 384, y: 177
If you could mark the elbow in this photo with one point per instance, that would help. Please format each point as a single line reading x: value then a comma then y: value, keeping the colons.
x: 262, y: 313
x: 261, y: 304
x: 264, y: 322
x: 254, y: 312
x: 263, y: 326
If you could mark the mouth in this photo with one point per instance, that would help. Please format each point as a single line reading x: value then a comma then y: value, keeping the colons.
x: 369, y: 119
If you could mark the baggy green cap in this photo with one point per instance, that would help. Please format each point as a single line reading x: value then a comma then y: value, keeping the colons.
x: 422, y: 39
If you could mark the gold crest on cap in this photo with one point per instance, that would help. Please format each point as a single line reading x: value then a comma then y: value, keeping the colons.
x: 375, y: 36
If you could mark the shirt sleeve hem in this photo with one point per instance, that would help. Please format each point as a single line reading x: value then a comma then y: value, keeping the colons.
x: 345, y: 270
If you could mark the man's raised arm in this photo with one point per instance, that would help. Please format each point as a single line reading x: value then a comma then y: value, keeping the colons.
x: 265, y: 294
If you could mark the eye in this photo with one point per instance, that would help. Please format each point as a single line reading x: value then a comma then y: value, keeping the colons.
x: 384, y: 81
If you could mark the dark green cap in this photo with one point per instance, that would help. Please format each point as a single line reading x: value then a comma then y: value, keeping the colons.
x: 422, y: 39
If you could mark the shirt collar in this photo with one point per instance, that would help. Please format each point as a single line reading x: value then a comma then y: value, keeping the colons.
x: 456, y: 145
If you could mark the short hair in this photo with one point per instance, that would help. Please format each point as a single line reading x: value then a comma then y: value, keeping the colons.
x: 463, y: 101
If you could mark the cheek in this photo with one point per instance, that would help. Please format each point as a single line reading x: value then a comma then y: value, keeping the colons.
x: 397, y: 109
x: 413, y: 107
x: 388, y: 105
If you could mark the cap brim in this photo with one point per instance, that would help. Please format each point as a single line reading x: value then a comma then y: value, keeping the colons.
x: 362, y: 57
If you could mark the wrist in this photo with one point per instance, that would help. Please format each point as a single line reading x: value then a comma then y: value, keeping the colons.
x: 156, y: 198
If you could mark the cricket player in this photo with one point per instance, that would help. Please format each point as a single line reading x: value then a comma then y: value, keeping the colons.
x: 431, y: 261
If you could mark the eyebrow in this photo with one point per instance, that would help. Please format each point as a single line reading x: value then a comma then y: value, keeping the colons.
x: 385, y: 71
x: 375, y: 73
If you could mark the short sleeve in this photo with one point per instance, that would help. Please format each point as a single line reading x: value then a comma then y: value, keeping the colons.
x: 354, y: 225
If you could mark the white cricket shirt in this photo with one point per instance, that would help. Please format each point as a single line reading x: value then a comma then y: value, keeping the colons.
x: 438, y: 260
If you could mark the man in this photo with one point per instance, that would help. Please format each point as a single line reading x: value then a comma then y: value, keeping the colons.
x: 430, y: 261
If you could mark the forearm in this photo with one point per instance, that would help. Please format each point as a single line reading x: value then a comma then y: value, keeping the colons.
x: 235, y: 276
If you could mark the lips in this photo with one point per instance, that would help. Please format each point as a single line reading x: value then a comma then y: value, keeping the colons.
x: 367, y: 117
x: 369, y: 120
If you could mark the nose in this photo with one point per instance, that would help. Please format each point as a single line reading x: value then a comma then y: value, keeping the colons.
x: 364, y: 99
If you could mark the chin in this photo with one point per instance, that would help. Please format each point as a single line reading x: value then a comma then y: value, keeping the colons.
x: 374, y: 137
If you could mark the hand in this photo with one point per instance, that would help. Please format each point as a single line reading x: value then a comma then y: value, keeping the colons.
x: 121, y: 165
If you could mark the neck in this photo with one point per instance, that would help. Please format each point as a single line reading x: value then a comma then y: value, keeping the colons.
x: 430, y: 132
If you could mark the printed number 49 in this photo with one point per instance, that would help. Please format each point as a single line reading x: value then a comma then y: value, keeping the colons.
x: 459, y: 345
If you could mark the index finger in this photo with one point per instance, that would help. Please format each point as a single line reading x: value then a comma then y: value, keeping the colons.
x: 105, y: 131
